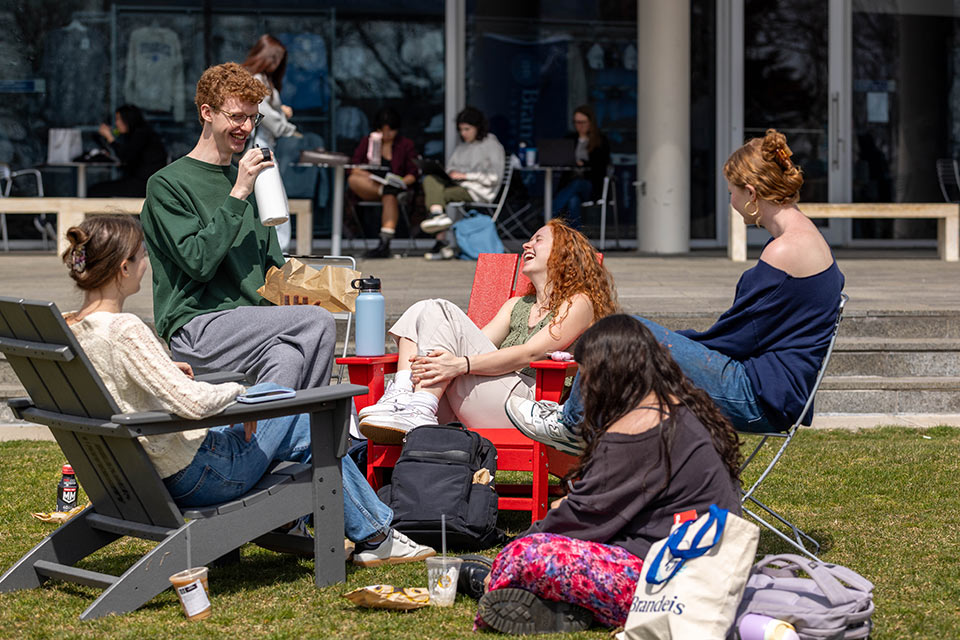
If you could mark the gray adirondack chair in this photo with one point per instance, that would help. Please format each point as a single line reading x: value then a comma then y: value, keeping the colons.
x: 127, y: 496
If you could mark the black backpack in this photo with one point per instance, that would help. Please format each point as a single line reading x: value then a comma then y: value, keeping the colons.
x: 435, y: 475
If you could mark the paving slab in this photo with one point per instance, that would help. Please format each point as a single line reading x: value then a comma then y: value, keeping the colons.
x: 685, y: 291
x: 698, y: 284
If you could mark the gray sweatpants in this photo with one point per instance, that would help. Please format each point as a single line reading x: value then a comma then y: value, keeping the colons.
x: 290, y: 345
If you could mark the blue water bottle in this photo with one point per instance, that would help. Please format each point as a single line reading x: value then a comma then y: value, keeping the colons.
x: 371, y: 318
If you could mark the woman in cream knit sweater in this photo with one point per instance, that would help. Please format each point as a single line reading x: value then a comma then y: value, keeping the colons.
x: 107, y: 260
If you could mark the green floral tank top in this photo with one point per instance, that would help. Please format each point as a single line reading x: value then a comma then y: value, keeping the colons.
x: 520, y: 332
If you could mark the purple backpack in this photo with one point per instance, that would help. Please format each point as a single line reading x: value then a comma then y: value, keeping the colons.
x: 833, y: 603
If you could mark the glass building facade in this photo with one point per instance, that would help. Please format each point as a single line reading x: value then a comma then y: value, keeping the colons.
x: 866, y: 90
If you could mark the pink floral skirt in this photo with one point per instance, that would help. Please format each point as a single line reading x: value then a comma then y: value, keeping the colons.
x: 601, y: 578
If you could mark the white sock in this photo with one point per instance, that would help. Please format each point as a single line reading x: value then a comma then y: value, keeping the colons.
x: 436, y: 209
x: 424, y: 402
x: 402, y: 380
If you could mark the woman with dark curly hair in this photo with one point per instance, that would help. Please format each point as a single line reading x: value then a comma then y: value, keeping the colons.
x: 759, y: 360
x: 444, y: 356
x: 658, y: 451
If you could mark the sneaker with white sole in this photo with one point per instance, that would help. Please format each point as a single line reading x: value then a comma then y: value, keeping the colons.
x: 391, y: 428
x: 436, y: 223
x: 444, y: 253
x: 396, y: 549
x: 393, y: 399
x: 541, y: 421
x: 293, y: 538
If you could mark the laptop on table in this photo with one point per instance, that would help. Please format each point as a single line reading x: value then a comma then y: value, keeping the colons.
x: 556, y: 152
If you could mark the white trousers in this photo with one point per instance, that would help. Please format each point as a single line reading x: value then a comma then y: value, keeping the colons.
x: 476, y: 401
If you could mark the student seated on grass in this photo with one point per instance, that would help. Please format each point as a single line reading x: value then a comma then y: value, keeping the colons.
x: 760, y: 360
x: 452, y: 369
x: 656, y: 446
x: 107, y: 259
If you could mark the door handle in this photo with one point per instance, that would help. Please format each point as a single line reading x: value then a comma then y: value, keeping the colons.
x: 834, y: 128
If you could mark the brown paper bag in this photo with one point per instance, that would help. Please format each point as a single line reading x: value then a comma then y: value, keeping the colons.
x: 297, y: 283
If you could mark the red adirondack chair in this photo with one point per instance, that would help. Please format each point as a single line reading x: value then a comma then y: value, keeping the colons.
x: 496, y: 279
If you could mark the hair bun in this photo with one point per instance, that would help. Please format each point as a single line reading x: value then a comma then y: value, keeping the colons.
x: 76, y: 236
x: 774, y: 149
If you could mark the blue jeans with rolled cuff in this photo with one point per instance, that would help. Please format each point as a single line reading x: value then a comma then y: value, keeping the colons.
x: 227, y: 466
x: 724, y: 379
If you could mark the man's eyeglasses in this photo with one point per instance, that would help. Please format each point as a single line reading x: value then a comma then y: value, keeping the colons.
x: 238, y: 119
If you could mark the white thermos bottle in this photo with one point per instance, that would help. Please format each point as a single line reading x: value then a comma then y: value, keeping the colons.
x: 270, y: 195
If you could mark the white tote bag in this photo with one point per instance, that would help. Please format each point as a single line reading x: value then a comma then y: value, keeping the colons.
x: 63, y: 145
x: 693, y: 580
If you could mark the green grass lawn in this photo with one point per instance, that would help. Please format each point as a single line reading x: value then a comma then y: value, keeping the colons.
x: 883, y: 502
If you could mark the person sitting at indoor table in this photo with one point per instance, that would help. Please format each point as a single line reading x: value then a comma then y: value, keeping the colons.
x: 397, y: 152
x: 592, y: 157
x: 138, y: 148
x: 475, y: 168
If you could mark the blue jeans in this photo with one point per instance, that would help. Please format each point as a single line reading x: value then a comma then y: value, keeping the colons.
x: 724, y: 379
x: 570, y: 197
x: 227, y: 466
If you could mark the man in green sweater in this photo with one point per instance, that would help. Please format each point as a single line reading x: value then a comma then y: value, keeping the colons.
x: 210, y: 253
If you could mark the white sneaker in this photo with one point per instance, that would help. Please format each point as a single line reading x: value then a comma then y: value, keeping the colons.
x: 436, y: 223
x: 445, y: 253
x: 396, y: 549
x: 393, y: 399
x: 390, y: 428
x: 541, y: 421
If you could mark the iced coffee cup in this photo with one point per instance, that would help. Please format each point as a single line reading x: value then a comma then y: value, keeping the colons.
x: 193, y: 591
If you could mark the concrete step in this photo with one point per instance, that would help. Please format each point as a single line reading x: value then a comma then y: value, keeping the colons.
x: 879, y: 394
x: 856, y: 324
x: 906, y: 324
x: 896, y: 357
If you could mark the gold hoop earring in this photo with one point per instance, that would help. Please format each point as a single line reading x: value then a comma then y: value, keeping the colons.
x: 756, y: 209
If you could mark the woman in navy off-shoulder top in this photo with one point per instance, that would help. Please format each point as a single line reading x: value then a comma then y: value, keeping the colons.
x: 759, y: 361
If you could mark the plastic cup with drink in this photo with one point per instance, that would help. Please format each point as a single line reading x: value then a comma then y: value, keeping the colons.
x: 193, y: 591
x: 442, y: 572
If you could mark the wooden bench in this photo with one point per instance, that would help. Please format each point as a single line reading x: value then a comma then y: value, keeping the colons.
x: 947, y: 215
x: 72, y: 211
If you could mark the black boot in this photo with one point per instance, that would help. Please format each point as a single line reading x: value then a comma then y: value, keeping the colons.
x: 382, y: 250
x: 521, y: 612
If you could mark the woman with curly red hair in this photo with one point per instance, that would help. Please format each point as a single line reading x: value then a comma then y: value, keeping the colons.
x: 452, y: 369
